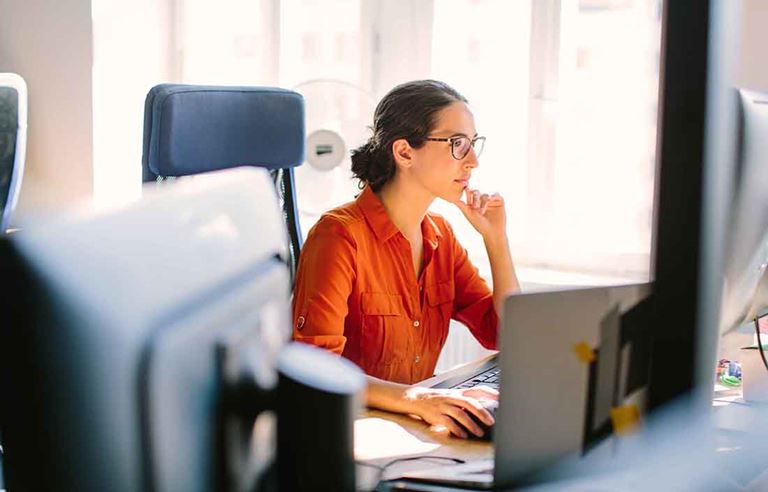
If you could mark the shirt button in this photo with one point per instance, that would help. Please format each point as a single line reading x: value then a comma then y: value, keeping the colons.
x: 416, y: 323
x: 418, y: 359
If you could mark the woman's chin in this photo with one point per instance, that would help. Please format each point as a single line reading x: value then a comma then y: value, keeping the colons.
x: 451, y: 196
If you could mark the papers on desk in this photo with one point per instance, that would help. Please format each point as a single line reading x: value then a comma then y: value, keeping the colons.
x: 377, y: 438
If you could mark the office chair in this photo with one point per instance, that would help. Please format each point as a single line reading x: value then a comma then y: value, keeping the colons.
x: 13, y: 143
x: 190, y: 129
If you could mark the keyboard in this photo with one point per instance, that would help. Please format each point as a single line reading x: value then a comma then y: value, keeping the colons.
x: 487, y: 374
x: 489, y: 378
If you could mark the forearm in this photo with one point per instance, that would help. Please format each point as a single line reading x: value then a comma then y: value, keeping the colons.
x: 443, y: 409
x: 502, y: 270
x: 385, y: 395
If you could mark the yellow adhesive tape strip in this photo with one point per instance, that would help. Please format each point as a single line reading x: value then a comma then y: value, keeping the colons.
x: 625, y: 419
x: 584, y: 352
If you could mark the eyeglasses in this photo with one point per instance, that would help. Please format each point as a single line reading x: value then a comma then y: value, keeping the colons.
x: 461, y: 144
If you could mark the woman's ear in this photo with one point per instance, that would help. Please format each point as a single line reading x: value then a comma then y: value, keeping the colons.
x: 403, y: 152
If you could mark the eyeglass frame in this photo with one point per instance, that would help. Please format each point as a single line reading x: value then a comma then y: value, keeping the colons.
x: 472, y: 142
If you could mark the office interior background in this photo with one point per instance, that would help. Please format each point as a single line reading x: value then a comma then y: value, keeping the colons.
x: 566, y: 91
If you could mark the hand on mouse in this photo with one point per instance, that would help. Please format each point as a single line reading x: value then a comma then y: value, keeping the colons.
x: 451, y: 410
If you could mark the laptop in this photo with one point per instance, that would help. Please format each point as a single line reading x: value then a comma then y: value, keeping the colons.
x: 568, y: 359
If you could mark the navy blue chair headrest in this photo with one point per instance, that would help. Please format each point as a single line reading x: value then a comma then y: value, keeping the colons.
x: 190, y: 129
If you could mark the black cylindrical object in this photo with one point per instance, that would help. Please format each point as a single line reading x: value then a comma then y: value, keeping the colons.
x: 318, y: 397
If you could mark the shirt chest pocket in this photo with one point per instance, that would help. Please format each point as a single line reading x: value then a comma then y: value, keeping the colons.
x: 440, y: 296
x: 385, y: 335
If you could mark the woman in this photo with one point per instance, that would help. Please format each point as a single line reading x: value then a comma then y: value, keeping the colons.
x: 380, y: 278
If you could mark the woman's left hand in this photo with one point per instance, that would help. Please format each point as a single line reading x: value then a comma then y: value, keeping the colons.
x: 485, y: 212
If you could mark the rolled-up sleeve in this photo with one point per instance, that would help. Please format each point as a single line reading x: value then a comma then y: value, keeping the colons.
x: 473, y: 302
x: 324, y: 282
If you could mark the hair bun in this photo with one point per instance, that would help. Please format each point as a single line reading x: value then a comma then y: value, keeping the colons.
x: 371, y: 166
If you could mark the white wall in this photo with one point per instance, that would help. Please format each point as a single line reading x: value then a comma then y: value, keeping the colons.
x: 401, y: 38
x: 753, y: 70
x: 134, y: 49
x: 49, y: 43
x: 88, y: 65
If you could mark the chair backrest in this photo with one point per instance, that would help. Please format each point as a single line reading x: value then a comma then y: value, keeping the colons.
x: 13, y: 143
x: 192, y: 129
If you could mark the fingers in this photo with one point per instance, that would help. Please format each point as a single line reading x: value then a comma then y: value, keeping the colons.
x: 476, y: 195
x: 473, y: 406
x: 481, y: 393
x: 449, y: 425
x: 473, y: 197
x: 454, y: 417
x: 475, y: 200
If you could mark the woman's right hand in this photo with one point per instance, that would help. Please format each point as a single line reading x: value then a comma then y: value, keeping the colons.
x: 449, y: 409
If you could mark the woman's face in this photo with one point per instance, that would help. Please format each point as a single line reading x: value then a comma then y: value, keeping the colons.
x: 434, y: 166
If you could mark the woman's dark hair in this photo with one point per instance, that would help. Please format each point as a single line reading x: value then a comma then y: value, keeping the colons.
x: 408, y: 111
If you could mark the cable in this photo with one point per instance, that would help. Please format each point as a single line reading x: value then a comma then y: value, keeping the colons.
x: 383, y: 468
x: 760, y: 343
x: 416, y: 458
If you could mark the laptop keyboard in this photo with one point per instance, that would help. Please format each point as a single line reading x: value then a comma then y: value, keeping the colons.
x: 489, y: 378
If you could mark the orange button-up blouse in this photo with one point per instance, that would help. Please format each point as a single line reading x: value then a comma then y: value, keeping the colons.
x: 357, y: 294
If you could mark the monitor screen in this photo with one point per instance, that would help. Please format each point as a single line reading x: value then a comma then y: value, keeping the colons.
x: 747, y: 243
x: 113, y: 381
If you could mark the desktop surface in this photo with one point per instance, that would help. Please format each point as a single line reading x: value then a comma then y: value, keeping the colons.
x: 382, y: 437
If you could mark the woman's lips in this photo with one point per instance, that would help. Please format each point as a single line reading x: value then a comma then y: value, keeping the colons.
x: 462, y: 182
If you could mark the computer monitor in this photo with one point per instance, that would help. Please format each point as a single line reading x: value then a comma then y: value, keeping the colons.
x: 745, y: 296
x: 13, y: 143
x: 143, y: 344
x: 711, y: 214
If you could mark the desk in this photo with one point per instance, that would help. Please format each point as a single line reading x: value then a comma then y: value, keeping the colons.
x: 737, y: 422
x: 381, y: 437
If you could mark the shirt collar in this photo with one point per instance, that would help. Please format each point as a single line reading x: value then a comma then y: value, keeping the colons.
x: 376, y: 215
x: 382, y: 225
x: 430, y: 231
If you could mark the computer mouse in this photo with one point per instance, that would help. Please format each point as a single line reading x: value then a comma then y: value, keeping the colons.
x: 491, y: 406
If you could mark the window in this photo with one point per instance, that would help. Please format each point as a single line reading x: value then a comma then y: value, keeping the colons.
x: 601, y: 184
x: 481, y: 48
x: 566, y: 92
x: 320, y: 40
x: 229, y: 42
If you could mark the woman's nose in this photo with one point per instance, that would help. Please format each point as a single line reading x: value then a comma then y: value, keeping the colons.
x: 470, y: 161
